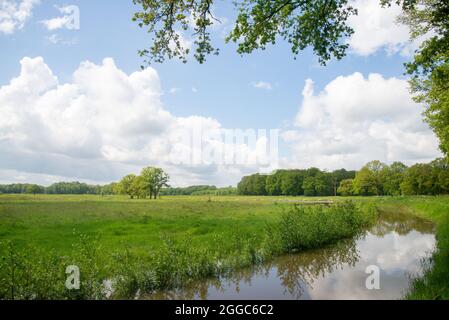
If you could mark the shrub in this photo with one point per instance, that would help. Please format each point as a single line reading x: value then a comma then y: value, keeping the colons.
x: 303, y: 228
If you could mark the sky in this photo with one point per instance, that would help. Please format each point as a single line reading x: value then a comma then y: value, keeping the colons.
x: 76, y: 106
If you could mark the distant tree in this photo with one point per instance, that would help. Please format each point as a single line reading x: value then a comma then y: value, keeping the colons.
x: 108, y: 189
x: 418, y: 180
x: 153, y: 180
x: 244, y: 186
x: 227, y: 191
x: 259, y: 182
x: 125, y: 185
x: 253, y: 185
x: 72, y: 188
x: 34, y: 189
x: 346, y: 188
x: 443, y: 181
x: 337, y: 176
x: 392, y: 177
x: 273, y: 186
x: 291, y: 183
x: 137, y: 189
x: 309, y: 186
x: 369, y: 180
x: 116, y: 188
x: 364, y: 183
x: 440, y: 176
x: 317, y: 183
x: 194, y: 190
x: 323, y: 184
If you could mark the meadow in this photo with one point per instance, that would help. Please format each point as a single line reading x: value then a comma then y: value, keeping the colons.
x: 145, y: 245
x: 53, y: 222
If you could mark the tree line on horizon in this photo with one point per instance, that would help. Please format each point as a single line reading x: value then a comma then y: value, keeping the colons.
x: 74, y: 187
x: 200, y: 190
x: 374, y: 179
x: 148, y: 184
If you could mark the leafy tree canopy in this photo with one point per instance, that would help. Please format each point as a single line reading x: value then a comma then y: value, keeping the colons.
x: 318, y: 24
x: 321, y: 25
x: 430, y: 67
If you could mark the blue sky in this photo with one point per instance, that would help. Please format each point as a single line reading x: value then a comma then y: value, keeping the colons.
x: 223, y: 83
x: 223, y: 89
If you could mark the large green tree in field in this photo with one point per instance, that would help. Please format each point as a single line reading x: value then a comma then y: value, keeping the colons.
x: 137, y: 188
x: 125, y: 185
x: 153, y: 180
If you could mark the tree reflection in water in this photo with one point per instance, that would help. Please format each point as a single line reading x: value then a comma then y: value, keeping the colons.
x: 297, y: 273
x: 402, y: 223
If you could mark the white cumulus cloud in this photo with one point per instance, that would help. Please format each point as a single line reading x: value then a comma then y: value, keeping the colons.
x: 376, y: 29
x: 356, y: 119
x: 64, y: 21
x: 100, y: 126
x: 14, y: 14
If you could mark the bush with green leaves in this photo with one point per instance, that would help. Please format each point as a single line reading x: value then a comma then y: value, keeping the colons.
x: 308, y: 227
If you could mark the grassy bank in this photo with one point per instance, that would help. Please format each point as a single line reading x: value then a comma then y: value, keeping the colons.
x: 435, y: 283
x: 143, y: 245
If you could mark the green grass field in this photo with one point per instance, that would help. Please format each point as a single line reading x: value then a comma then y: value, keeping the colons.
x: 206, y: 227
x: 53, y: 221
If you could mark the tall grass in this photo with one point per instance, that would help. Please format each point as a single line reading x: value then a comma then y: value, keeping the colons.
x: 34, y: 274
x: 31, y: 273
x: 303, y: 228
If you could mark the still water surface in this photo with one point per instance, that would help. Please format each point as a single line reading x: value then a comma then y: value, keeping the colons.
x: 397, y: 245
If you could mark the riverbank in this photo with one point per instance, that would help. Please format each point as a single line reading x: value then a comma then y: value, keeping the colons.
x: 395, y: 244
x: 435, y: 283
x: 155, y: 245
x: 148, y: 245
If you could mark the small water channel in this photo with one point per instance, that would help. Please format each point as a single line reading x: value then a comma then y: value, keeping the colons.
x: 396, y: 245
